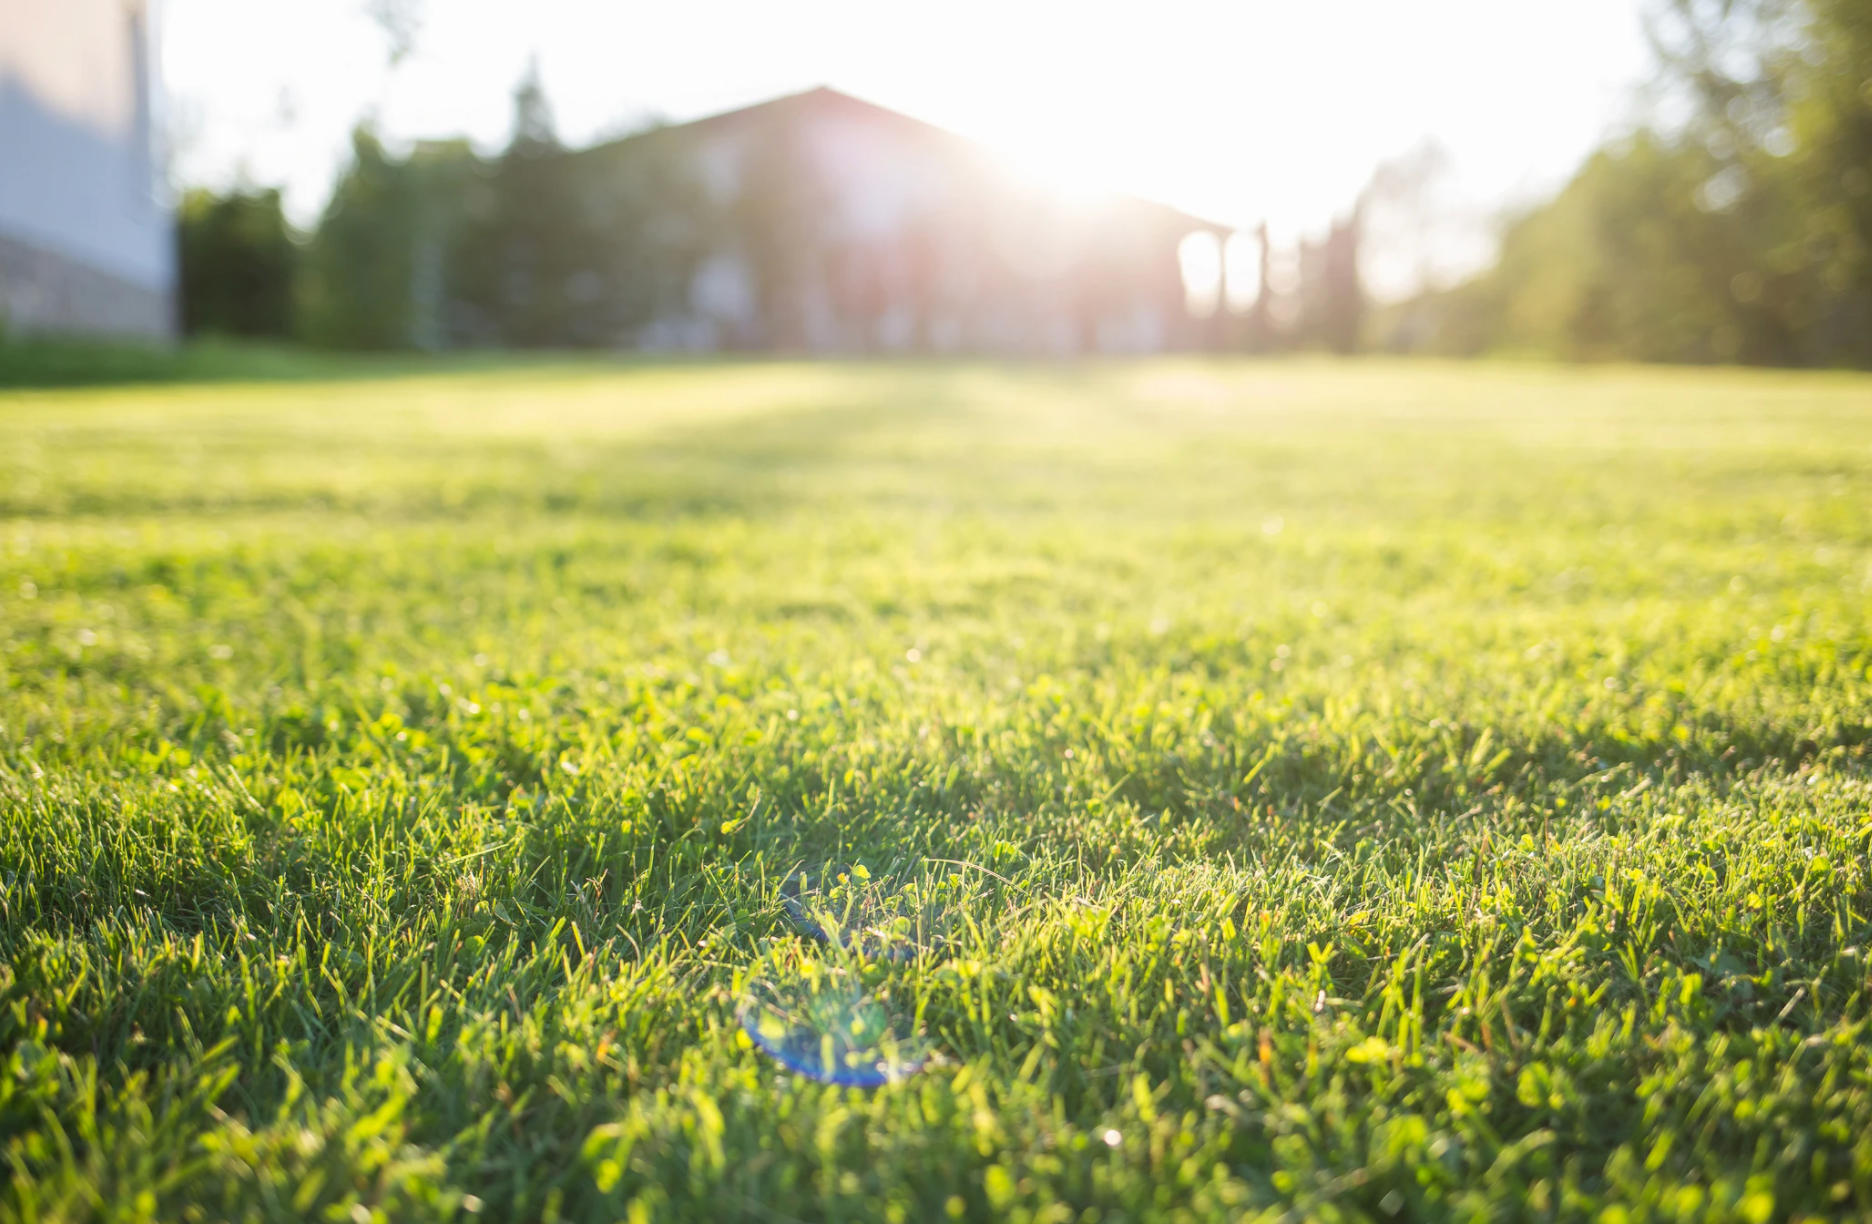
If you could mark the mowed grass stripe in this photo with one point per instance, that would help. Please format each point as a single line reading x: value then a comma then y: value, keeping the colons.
x: 1376, y: 790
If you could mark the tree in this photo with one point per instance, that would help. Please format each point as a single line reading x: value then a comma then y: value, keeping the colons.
x: 358, y: 268
x: 1780, y: 92
x: 1737, y: 227
x: 400, y: 21
x: 533, y: 133
x: 237, y: 263
x: 377, y: 274
x: 523, y: 265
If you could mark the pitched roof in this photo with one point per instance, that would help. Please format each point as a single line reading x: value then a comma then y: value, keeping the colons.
x: 824, y: 99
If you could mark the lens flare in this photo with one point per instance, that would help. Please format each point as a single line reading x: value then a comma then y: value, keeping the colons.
x: 811, y: 1011
x: 820, y: 1023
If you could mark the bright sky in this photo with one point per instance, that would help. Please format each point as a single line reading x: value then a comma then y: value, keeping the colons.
x: 1231, y: 109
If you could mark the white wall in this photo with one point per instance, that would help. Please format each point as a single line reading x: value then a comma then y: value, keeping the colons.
x: 78, y: 171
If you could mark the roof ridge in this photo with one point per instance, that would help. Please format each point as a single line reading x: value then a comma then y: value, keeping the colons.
x: 824, y: 91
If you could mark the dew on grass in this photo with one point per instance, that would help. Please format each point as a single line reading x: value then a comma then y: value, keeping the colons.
x: 822, y: 1024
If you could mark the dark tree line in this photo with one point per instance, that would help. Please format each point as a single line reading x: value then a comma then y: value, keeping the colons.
x: 442, y: 248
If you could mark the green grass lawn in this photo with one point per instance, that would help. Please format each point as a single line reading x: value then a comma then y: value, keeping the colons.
x: 1320, y: 791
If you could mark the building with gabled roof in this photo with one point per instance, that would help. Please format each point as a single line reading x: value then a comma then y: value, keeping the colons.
x: 853, y: 228
x: 816, y: 223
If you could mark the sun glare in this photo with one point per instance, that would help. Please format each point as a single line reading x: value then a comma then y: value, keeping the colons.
x: 1241, y: 272
x: 1199, y: 256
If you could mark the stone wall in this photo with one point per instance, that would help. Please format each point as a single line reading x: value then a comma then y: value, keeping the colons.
x: 46, y: 294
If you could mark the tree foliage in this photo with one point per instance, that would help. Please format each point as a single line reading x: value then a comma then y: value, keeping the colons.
x: 376, y: 274
x: 1741, y: 230
x: 538, y: 247
x: 237, y: 262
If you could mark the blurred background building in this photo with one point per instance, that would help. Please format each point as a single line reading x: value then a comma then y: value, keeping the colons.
x: 817, y: 223
x: 86, y: 240
x: 813, y: 223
